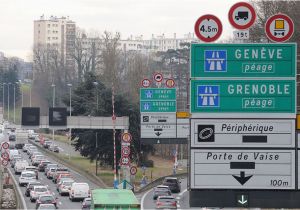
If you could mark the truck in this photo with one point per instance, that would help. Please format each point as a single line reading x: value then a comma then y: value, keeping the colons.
x: 114, y: 199
x: 242, y: 15
x: 21, y: 138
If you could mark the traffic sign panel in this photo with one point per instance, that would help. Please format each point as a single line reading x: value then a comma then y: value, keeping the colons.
x: 158, y: 118
x: 146, y: 83
x: 124, y: 161
x: 4, y: 162
x: 5, y: 155
x: 126, y: 137
x: 125, y: 151
x: 208, y: 28
x: 243, y: 96
x: 243, y: 60
x: 5, y: 145
x: 158, y: 130
x: 242, y: 15
x: 242, y: 169
x: 158, y: 77
x: 133, y: 170
x: 242, y: 133
x: 158, y: 106
x: 279, y: 28
x: 158, y: 94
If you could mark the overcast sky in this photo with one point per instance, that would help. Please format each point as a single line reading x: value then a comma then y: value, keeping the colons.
x: 134, y: 17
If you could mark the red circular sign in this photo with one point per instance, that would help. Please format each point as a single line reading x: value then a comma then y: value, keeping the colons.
x: 5, y: 155
x: 279, y: 28
x: 124, y: 161
x: 133, y: 170
x: 242, y: 15
x: 146, y: 83
x: 125, y: 151
x: 4, y: 162
x: 5, y: 145
x: 158, y: 77
x: 126, y: 137
x: 114, y: 117
x: 170, y: 83
x: 208, y: 28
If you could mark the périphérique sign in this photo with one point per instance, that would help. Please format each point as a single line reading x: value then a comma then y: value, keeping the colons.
x: 243, y: 96
x: 243, y: 60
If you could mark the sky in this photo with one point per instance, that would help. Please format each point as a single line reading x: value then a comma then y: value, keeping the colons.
x: 129, y: 17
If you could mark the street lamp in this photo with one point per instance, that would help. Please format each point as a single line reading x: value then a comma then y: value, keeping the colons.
x: 70, y: 130
x: 14, y: 102
x: 53, y: 105
x: 8, y: 101
x: 3, y: 102
x: 96, y: 84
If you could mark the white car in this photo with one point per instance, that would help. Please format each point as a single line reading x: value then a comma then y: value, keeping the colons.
x: 26, y: 146
x: 20, y: 166
x: 13, y: 152
x: 26, y: 177
x: 37, y: 191
x: 79, y: 190
x: 65, y: 186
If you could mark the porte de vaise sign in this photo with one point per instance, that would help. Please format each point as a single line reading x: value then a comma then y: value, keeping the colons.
x: 266, y: 96
x: 243, y: 60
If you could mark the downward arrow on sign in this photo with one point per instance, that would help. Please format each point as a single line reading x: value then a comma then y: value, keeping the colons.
x: 157, y: 133
x: 242, y: 179
x: 243, y: 201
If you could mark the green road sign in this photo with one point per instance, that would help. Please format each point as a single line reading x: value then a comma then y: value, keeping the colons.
x: 157, y: 94
x: 243, y: 96
x: 243, y: 60
x: 158, y: 106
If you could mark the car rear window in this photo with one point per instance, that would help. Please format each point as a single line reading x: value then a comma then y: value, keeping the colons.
x: 167, y: 199
x: 173, y: 181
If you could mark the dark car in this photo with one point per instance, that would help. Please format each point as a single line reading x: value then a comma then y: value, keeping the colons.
x: 161, y: 190
x: 41, y: 167
x: 47, y: 144
x: 30, y: 186
x: 46, y: 199
x: 12, y: 137
x: 86, y: 204
x: 173, y: 183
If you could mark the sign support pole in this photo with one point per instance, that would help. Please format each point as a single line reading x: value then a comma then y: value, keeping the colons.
x: 114, y: 137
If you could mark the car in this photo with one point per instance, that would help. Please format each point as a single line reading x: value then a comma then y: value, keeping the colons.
x: 26, y: 177
x: 20, y: 166
x: 12, y: 137
x: 47, y: 144
x: 14, y: 159
x: 34, y: 169
x: 30, y: 186
x: 41, y: 167
x: 45, y: 206
x: 79, y: 190
x: 173, y: 183
x: 64, y: 186
x: 31, y: 149
x: 54, y: 148
x: 161, y: 190
x: 166, y: 202
x: 37, y: 159
x: 51, y: 165
x: 86, y: 204
x: 58, y: 171
x: 36, y: 138
x: 46, y: 199
x: 25, y: 147
x: 34, y: 154
x: 50, y: 173
x: 37, y: 191
x: 13, y: 152
x: 63, y: 176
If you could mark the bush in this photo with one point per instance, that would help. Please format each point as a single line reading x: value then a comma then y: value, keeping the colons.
x: 147, y: 163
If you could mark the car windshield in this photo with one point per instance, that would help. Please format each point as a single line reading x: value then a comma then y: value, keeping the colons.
x: 28, y: 175
x: 68, y: 183
x: 173, y: 181
x: 46, y: 198
x: 87, y: 202
x: 47, y: 207
x: 40, y: 189
x: 162, y: 199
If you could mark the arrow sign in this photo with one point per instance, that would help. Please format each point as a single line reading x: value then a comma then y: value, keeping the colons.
x: 243, y: 201
x: 242, y: 179
x: 158, y: 133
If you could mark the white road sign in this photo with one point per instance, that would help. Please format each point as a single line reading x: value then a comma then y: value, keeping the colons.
x: 158, y: 131
x: 183, y: 128
x: 242, y: 169
x: 241, y: 34
x: 158, y: 118
x: 242, y: 133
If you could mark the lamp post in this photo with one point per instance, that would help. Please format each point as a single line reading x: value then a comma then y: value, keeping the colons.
x: 3, y: 102
x: 96, y: 85
x: 14, y: 103
x: 53, y: 105
x: 29, y: 96
x: 70, y: 130
x: 8, y: 101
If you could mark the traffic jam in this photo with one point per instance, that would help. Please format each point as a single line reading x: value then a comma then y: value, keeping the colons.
x: 33, y: 170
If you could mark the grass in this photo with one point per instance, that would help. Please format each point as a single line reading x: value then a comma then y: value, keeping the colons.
x: 60, y: 138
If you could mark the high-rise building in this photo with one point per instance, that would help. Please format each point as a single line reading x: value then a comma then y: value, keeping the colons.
x: 58, y: 33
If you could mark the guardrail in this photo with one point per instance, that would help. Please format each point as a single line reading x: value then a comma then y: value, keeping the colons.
x: 89, y: 176
x: 158, y: 182
x: 19, y: 196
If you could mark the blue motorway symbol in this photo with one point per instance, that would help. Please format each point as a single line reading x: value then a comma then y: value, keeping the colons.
x: 215, y: 61
x: 208, y: 96
x: 147, y: 106
x: 149, y: 93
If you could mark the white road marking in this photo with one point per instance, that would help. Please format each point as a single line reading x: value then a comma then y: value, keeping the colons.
x: 177, y: 198
x: 180, y: 194
x: 61, y: 149
x: 143, y: 198
x: 59, y: 203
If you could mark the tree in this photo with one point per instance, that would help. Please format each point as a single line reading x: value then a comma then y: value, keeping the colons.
x: 83, y: 102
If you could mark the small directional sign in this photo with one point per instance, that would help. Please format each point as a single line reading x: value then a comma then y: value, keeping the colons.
x: 208, y: 28
x: 242, y: 200
x: 158, y: 131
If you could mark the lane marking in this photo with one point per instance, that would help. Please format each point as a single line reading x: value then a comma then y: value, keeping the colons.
x: 143, y: 198
x: 180, y: 194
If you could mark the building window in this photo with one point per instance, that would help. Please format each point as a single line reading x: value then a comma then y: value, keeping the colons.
x: 39, y: 32
x: 48, y: 25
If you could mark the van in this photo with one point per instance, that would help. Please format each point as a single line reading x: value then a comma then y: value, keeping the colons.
x: 13, y: 152
x: 20, y: 166
x: 79, y: 190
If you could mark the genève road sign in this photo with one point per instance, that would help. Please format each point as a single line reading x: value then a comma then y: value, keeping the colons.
x: 158, y: 94
x: 243, y: 60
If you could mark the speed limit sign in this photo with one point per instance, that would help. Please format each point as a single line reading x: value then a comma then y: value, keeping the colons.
x: 5, y: 145
x: 125, y: 151
x: 5, y: 155
x: 4, y: 162
x: 124, y: 161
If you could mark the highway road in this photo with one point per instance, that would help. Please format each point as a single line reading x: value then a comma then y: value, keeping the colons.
x: 182, y: 198
x: 63, y: 201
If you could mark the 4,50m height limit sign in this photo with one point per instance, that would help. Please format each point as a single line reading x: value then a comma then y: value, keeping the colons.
x: 208, y: 28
